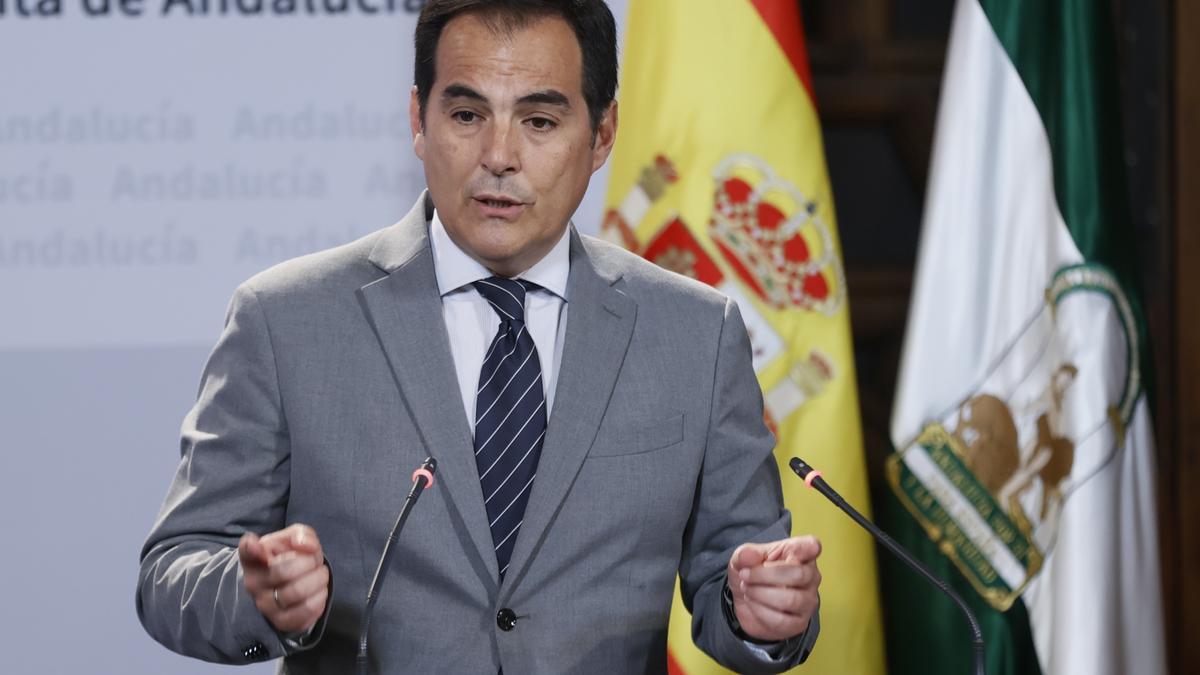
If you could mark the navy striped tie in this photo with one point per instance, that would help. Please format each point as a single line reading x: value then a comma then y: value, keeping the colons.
x: 510, y: 415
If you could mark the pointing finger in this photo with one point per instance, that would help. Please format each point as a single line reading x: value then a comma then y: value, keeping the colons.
x: 252, y: 552
x: 297, y: 537
x: 804, y: 548
x: 304, y: 539
x: 748, y: 555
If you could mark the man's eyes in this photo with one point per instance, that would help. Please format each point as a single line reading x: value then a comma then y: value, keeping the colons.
x: 536, y: 123
x: 542, y: 123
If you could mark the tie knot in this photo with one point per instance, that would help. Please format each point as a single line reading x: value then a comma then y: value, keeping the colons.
x: 507, y: 296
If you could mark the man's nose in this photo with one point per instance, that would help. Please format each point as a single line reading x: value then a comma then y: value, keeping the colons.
x: 501, y: 155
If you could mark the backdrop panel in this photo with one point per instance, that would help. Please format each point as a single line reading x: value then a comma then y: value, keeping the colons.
x: 153, y: 154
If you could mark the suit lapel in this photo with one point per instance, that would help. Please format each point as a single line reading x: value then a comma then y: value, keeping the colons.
x: 405, y: 311
x: 600, y: 323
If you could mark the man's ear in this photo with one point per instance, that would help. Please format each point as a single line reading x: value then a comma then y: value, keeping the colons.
x: 415, y: 124
x: 606, y: 135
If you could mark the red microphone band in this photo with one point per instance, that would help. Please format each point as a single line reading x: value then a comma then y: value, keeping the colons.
x: 422, y: 471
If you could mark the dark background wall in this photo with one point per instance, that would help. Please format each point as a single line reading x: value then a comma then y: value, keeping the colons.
x: 877, y: 67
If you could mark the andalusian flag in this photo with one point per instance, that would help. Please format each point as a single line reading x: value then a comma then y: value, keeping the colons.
x: 1025, y: 465
x: 719, y: 174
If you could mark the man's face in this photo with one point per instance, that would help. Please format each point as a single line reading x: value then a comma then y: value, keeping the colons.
x: 507, y: 142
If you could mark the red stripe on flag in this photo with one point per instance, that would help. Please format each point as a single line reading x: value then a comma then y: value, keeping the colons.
x: 673, y: 665
x: 783, y: 18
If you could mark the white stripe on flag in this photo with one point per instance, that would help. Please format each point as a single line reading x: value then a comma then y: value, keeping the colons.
x: 959, y: 508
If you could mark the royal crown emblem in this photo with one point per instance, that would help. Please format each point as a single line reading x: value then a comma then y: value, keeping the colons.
x: 774, y: 237
x: 767, y: 233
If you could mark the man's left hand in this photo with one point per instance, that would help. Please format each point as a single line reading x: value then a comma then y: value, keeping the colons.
x: 774, y: 587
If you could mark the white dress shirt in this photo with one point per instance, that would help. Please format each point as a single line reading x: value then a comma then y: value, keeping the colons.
x: 472, y: 324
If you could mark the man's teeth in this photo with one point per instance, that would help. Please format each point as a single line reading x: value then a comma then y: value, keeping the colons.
x: 496, y: 203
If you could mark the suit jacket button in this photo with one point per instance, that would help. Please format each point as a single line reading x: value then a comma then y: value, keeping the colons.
x: 255, y: 652
x: 506, y: 619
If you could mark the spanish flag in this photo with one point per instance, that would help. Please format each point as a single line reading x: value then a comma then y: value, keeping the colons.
x: 719, y: 174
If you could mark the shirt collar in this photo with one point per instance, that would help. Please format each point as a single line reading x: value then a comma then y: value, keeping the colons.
x: 455, y: 269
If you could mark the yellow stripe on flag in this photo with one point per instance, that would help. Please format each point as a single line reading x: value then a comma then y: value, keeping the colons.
x: 719, y: 173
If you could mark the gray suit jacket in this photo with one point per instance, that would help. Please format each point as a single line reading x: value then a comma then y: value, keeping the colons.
x: 333, y: 379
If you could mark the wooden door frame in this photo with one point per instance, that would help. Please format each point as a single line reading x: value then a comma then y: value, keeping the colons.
x: 1180, y: 459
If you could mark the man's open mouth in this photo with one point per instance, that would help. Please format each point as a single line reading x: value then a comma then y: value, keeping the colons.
x: 499, y: 206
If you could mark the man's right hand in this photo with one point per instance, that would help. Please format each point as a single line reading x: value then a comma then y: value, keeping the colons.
x: 285, y: 573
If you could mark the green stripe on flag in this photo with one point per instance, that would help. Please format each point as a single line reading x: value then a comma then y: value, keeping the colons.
x: 1064, y: 52
x: 927, y: 635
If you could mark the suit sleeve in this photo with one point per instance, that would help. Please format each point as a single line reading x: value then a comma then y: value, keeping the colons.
x: 233, y: 477
x: 738, y: 500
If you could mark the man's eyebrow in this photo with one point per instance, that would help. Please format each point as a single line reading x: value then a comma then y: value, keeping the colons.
x: 543, y: 97
x: 462, y: 91
x: 546, y: 97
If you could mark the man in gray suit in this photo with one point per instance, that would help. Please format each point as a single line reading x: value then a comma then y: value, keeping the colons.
x: 613, y: 432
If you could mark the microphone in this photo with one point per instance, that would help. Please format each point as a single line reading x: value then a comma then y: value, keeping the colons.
x: 812, y: 479
x: 422, y: 478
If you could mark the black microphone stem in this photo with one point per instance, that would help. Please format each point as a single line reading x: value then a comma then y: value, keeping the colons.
x: 422, y: 479
x: 803, y: 470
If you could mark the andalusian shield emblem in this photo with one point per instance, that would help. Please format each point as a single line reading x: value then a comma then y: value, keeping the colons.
x: 988, y: 479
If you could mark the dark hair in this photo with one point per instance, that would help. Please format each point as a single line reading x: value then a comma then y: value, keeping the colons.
x: 593, y: 23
